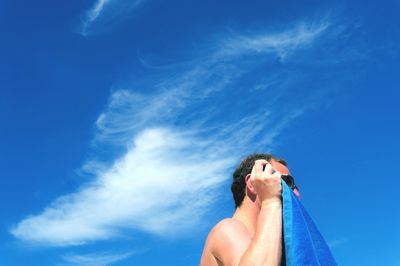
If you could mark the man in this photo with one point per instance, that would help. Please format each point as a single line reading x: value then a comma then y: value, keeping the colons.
x: 253, y: 236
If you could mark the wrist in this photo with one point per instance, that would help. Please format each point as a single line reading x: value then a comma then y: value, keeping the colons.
x: 277, y: 202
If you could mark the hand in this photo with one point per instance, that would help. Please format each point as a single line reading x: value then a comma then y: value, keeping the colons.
x: 267, y: 182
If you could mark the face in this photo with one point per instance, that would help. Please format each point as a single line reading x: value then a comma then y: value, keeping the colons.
x: 284, y: 171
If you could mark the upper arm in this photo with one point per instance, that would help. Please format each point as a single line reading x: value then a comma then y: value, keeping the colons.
x: 229, y: 240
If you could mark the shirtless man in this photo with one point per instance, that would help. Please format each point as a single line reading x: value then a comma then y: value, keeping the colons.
x: 253, y: 236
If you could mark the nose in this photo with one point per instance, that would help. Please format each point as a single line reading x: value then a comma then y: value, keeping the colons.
x: 297, y: 193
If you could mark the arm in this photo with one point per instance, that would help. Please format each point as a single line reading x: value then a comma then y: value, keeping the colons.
x: 266, y: 246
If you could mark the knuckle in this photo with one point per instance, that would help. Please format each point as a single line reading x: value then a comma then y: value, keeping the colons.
x: 276, y: 175
x: 277, y: 180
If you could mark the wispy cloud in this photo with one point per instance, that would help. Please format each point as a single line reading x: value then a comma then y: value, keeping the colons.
x: 94, y: 13
x: 95, y: 259
x: 181, y: 138
x: 217, y: 76
x: 282, y: 43
x: 337, y: 242
x: 161, y: 180
x: 111, y: 10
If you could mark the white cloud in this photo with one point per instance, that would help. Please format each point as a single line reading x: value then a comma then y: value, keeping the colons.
x: 179, y: 142
x: 337, y: 242
x: 206, y: 77
x: 114, y: 9
x: 282, y: 43
x: 164, y: 178
x: 96, y: 259
x: 96, y: 10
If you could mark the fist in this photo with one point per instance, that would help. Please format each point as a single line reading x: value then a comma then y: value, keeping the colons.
x: 266, y: 182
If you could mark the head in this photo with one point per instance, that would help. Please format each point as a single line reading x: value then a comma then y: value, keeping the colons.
x: 242, y: 174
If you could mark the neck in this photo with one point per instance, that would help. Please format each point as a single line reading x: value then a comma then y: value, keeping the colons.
x: 247, y: 213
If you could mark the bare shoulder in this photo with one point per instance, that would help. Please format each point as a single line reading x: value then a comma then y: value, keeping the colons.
x: 227, y: 241
x: 228, y: 228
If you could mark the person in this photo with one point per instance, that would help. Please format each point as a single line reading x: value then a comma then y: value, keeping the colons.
x: 253, y: 236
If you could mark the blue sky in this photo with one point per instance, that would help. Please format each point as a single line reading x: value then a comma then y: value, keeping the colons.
x: 122, y: 122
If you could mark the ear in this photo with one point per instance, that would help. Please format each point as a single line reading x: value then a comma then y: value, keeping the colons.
x: 250, y: 191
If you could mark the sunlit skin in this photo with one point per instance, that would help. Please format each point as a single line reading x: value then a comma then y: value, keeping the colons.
x: 253, y: 236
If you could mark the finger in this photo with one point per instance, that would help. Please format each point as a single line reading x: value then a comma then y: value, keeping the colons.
x: 258, y: 165
x: 268, y: 169
x: 277, y: 175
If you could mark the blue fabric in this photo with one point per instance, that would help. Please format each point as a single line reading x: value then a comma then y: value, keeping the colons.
x: 304, y: 244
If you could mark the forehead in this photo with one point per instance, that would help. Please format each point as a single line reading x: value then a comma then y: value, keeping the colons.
x: 280, y: 167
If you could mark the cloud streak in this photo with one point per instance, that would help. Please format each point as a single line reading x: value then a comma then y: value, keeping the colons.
x: 162, y: 179
x: 96, y: 259
x: 180, y: 140
x: 107, y: 10
x: 94, y: 13
x: 282, y: 43
x: 337, y: 242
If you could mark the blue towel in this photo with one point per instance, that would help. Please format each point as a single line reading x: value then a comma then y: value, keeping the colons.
x: 304, y: 244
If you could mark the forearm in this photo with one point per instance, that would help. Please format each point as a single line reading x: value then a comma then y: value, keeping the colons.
x: 266, y: 245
